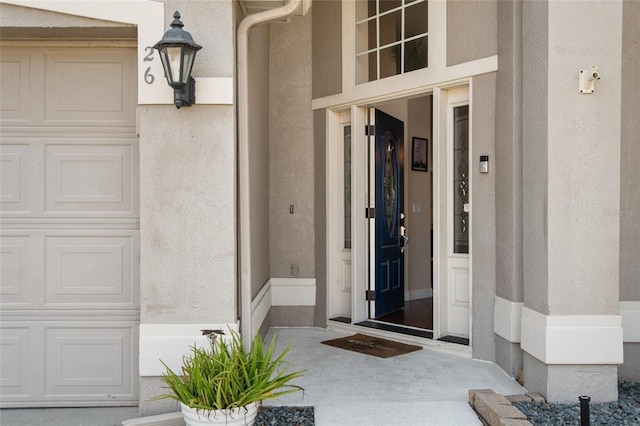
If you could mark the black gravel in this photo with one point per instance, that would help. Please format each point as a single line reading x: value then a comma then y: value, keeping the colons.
x: 285, y: 416
x: 626, y: 411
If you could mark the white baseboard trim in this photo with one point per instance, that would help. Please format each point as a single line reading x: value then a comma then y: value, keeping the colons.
x: 281, y: 292
x: 293, y: 291
x: 170, y: 342
x: 418, y: 294
x: 507, y: 317
x: 630, y: 312
x: 572, y: 339
x: 260, y: 307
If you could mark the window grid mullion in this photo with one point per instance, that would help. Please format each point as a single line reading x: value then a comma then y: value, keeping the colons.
x: 403, y: 36
x: 377, y: 39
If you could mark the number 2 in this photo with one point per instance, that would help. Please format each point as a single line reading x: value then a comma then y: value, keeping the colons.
x: 149, y: 56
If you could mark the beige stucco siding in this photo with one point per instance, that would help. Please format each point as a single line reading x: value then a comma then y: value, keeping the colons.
x: 327, y: 48
x: 259, y: 155
x: 291, y: 150
x: 471, y: 30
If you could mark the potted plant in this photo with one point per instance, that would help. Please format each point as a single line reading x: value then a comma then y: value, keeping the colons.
x: 225, y: 384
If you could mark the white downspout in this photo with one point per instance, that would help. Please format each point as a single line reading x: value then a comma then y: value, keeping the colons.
x: 243, y: 155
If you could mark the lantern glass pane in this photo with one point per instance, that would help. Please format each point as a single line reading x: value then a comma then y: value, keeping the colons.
x: 165, y: 64
x: 174, y: 56
x: 189, y: 56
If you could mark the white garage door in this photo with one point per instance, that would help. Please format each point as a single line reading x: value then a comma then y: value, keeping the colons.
x: 69, y: 226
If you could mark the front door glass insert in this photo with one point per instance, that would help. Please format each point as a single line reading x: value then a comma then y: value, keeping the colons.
x: 389, y: 181
x: 461, y: 179
x: 347, y: 186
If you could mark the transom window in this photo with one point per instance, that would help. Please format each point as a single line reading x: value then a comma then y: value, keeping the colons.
x: 391, y: 38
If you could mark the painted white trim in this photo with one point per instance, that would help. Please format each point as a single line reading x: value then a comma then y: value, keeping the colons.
x: 293, y: 291
x: 170, y: 343
x: 436, y: 73
x: 359, y: 225
x: 630, y: 312
x: 572, y: 339
x: 507, y: 316
x: 260, y: 307
x: 409, y: 84
x: 418, y: 294
x: 213, y: 91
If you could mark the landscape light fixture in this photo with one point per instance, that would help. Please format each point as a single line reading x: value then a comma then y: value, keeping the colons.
x: 177, y: 52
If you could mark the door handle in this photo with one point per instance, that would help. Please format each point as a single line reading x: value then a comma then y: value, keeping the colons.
x: 403, y: 234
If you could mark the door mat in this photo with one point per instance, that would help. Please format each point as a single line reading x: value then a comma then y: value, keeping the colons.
x: 370, y: 345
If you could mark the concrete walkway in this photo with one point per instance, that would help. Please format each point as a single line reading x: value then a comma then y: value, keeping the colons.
x: 427, y: 387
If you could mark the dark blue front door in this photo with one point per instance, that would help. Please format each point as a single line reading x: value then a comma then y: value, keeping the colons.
x: 389, y: 202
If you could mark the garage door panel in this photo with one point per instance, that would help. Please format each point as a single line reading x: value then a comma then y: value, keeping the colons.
x: 15, y: 357
x: 91, y: 270
x: 92, y: 88
x: 15, y: 75
x: 89, y: 362
x: 69, y: 220
x: 89, y: 179
x: 14, y: 178
x: 15, y: 270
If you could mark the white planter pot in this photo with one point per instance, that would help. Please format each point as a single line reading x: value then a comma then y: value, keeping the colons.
x: 243, y: 416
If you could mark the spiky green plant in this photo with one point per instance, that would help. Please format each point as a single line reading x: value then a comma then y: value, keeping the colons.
x: 229, y: 376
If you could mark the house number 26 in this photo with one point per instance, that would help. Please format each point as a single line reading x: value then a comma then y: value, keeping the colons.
x: 148, y: 77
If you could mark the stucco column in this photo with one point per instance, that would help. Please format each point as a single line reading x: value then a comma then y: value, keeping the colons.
x: 188, y: 222
x: 507, y: 307
x: 571, y: 328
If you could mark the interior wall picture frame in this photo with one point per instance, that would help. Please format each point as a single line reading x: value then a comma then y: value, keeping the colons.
x: 419, y: 154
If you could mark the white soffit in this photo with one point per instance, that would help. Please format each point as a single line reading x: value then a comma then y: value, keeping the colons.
x: 255, y: 6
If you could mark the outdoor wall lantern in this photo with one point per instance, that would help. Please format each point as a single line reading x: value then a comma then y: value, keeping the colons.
x: 177, y: 52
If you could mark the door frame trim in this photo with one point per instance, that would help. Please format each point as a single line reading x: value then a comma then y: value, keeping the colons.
x: 441, y: 286
x: 359, y: 196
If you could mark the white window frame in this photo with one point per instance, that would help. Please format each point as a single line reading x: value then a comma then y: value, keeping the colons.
x: 437, y: 74
x: 402, y: 8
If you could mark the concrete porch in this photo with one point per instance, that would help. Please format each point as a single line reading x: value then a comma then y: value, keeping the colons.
x: 429, y: 386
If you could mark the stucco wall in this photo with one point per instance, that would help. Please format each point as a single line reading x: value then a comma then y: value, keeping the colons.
x: 187, y: 215
x: 212, y: 25
x: 258, y: 66
x: 188, y: 218
x: 187, y: 223
x: 471, y: 30
x: 291, y: 150
x: 571, y: 180
x: 629, y: 177
x: 509, y: 153
x: 534, y: 154
x: 630, y: 369
x: 483, y: 221
x: 508, y: 171
x: 327, y: 48
x: 583, y: 159
x: 187, y: 191
x: 320, y: 225
x: 630, y: 156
